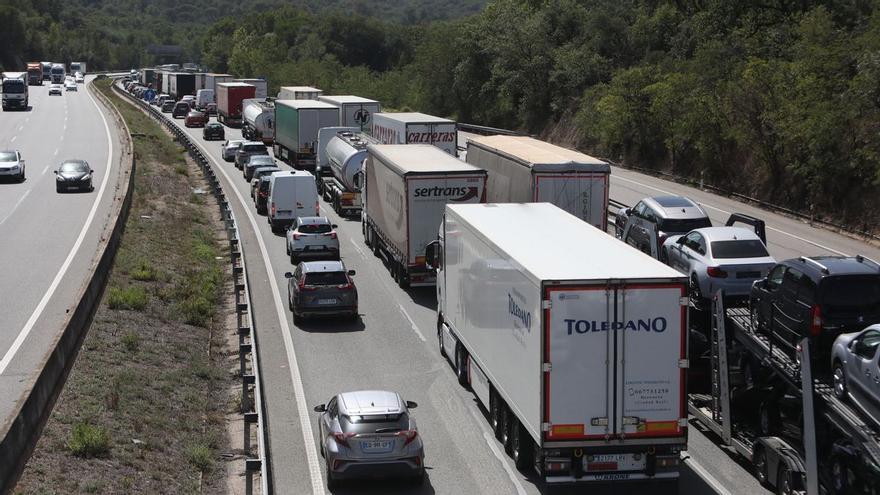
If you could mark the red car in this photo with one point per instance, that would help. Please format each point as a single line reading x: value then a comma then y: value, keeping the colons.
x: 195, y: 119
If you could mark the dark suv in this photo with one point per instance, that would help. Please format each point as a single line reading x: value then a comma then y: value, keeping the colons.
x: 671, y: 215
x: 819, y: 297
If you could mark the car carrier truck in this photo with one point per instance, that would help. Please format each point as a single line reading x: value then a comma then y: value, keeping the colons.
x: 523, y: 169
x: 407, y: 187
x: 574, y: 344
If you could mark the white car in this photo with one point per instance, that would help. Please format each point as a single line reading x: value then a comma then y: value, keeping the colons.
x: 728, y: 258
x: 70, y: 86
x: 56, y: 89
x: 11, y: 165
x: 313, y: 238
x: 79, y: 78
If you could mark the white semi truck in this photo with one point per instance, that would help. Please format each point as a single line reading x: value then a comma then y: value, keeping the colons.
x: 15, y: 90
x: 354, y: 111
x: 299, y: 93
x: 416, y: 128
x: 407, y: 187
x: 523, y: 169
x: 574, y: 344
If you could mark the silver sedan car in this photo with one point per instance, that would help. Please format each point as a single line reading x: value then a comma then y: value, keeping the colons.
x: 855, y: 372
x: 230, y: 147
x: 370, y: 434
x: 729, y: 258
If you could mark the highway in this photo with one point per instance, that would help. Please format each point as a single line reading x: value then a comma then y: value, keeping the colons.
x: 393, y: 347
x: 48, y: 239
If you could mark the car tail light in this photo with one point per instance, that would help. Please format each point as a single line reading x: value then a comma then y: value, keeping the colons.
x: 273, y: 208
x: 347, y: 286
x: 408, y: 435
x: 815, y: 321
x: 716, y: 272
x: 296, y: 236
x: 303, y: 287
x: 342, y: 438
x: 332, y: 235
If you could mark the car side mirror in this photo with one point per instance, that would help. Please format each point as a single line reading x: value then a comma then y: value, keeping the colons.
x: 91, y: 171
x: 55, y: 172
x: 627, y: 211
x: 288, y: 275
x: 432, y: 251
x: 334, y: 225
x: 321, y: 408
x: 351, y: 273
x: 680, y: 240
x: 411, y: 405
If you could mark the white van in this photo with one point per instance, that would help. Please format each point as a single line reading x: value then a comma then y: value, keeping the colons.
x: 203, y: 97
x: 291, y: 194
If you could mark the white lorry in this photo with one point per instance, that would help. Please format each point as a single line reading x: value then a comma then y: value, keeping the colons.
x: 574, y: 344
x: 416, y: 128
x: 78, y: 67
x: 292, y: 194
x: 299, y: 93
x: 523, y: 169
x: 407, y: 187
x: 341, y: 155
x: 15, y: 90
x: 258, y: 120
x: 261, y: 84
x: 212, y: 79
x: 354, y: 111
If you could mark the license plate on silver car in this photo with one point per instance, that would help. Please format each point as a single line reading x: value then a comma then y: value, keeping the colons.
x: 377, y: 446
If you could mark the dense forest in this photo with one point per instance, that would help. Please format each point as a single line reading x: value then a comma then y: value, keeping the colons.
x: 777, y: 99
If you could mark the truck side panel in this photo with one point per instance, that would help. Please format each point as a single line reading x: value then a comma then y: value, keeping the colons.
x: 495, y: 311
x: 443, y: 136
x: 509, y: 182
x: 584, y: 195
x: 384, y: 202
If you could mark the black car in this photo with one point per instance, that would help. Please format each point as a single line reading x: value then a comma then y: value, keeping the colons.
x: 181, y: 109
x: 262, y: 195
x: 74, y: 175
x: 168, y: 105
x: 819, y: 297
x: 213, y: 130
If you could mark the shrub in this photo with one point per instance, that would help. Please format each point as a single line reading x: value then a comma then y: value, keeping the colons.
x: 134, y: 298
x: 89, y: 441
x: 144, y: 272
x: 200, y: 456
x: 131, y: 341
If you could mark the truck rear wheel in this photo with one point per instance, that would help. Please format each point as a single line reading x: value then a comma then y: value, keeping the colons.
x: 495, y: 405
x: 440, y: 337
x: 520, y: 445
x: 506, y: 417
x: 461, y: 365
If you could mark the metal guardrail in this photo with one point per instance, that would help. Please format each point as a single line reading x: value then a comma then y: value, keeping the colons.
x: 486, y: 131
x: 253, y: 410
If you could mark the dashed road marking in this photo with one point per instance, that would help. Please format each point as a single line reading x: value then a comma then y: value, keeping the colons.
x: 17, y: 204
x: 415, y: 327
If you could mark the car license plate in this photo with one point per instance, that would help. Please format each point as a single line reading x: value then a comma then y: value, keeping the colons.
x: 326, y: 301
x: 614, y: 462
x: 377, y: 446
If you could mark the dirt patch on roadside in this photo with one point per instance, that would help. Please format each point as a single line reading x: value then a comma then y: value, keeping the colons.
x: 146, y: 405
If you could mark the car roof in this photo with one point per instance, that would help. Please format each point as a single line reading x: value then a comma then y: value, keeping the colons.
x: 366, y: 402
x: 313, y: 220
x: 253, y: 143
x: 821, y: 266
x: 257, y: 158
x: 322, y: 266
x: 682, y: 207
x: 727, y: 234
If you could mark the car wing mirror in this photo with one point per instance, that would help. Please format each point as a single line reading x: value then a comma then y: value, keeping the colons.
x: 411, y: 405
x: 334, y: 225
x: 321, y: 408
x: 627, y: 211
x: 91, y: 171
x: 680, y: 240
x: 351, y: 273
x: 55, y: 172
x: 288, y: 275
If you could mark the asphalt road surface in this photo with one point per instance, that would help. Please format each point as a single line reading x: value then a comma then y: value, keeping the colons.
x: 48, y: 240
x: 394, y: 347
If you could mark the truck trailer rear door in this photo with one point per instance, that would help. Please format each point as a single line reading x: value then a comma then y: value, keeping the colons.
x: 583, y: 194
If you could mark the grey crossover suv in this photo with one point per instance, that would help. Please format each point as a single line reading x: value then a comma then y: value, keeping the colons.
x: 370, y: 434
x: 319, y: 288
x: 670, y: 215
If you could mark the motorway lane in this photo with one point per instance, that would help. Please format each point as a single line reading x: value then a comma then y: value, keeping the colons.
x: 393, y: 346
x: 40, y: 228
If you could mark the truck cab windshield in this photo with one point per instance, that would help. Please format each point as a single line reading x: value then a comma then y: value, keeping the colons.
x: 13, y: 86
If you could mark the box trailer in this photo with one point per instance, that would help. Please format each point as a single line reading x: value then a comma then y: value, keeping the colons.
x: 523, y: 169
x: 575, y: 344
x: 212, y: 80
x: 230, y: 101
x: 354, y: 111
x: 416, y: 128
x: 148, y: 78
x: 299, y: 93
x: 78, y: 67
x: 261, y: 85
x: 15, y: 90
x: 181, y: 84
x: 258, y: 120
x: 407, y: 187
x: 47, y: 70
x: 34, y: 74
x: 296, y: 130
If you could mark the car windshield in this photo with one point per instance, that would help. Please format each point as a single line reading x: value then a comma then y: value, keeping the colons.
x: 745, y: 248
x: 7, y: 156
x: 73, y: 167
x: 684, y: 224
x: 315, y: 228
x: 850, y: 295
x: 326, y: 278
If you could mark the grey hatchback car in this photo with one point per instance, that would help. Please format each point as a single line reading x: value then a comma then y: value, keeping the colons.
x: 321, y: 288
x: 370, y: 434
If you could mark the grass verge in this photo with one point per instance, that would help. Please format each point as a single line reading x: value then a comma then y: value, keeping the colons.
x: 144, y: 407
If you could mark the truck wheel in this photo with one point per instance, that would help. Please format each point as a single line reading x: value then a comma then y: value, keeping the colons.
x: 461, y: 365
x: 440, y: 337
x: 840, y: 483
x: 520, y: 445
x: 374, y: 240
x: 506, y: 417
x: 495, y: 405
x: 402, y: 278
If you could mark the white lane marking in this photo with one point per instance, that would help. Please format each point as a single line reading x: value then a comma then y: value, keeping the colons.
x: 357, y: 248
x: 510, y: 473
x: 20, y: 128
x: 299, y: 394
x: 13, y: 139
x: 17, y: 203
x: 26, y: 120
x: 38, y: 311
x: 45, y: 169
x: 411, y: 322
x: 707, y: 477
x: 56, y: 152
x: 725, y: 212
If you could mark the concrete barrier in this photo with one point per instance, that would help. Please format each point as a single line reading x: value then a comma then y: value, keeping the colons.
x: 19, y: 437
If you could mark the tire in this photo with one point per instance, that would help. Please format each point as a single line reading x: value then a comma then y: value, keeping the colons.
x: 440, y: 338
x: 520, y: 445
x: 838, y: 380
x: 293, y: 259
x: 760, y: 463
x: 419, y: 479
x: 496, y: 403
x: 402, y: 278
x: 784, y: 481
x: 58, y: 188
x: 21, y: 177
x: 748, y: 373
x: 461, y: 365
x: 694, y: 292
x: 506, y: 417
x: 375, y: 241
x: 332, y: 483
x: 297, y: 319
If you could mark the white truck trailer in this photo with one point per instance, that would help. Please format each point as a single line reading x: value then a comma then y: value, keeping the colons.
x: 212, y: 79
x: 299, y: 93
x: 261, y: 84
x: 416, y: 128
x: 523, y: 169
x: 407, y: 187
x: 258, y: 120
x: 354, y: 111
x: 15, y: 90
x: 341, y: 155
x: 576, y: 345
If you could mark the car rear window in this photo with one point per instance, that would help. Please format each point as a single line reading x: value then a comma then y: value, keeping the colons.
x: 851, y: 295
x: 746, y: 248
x: 684, y: 224
x: 254, y: 148
x: 374, y: 422
x: 326, y: 278
x: 318, y: 228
